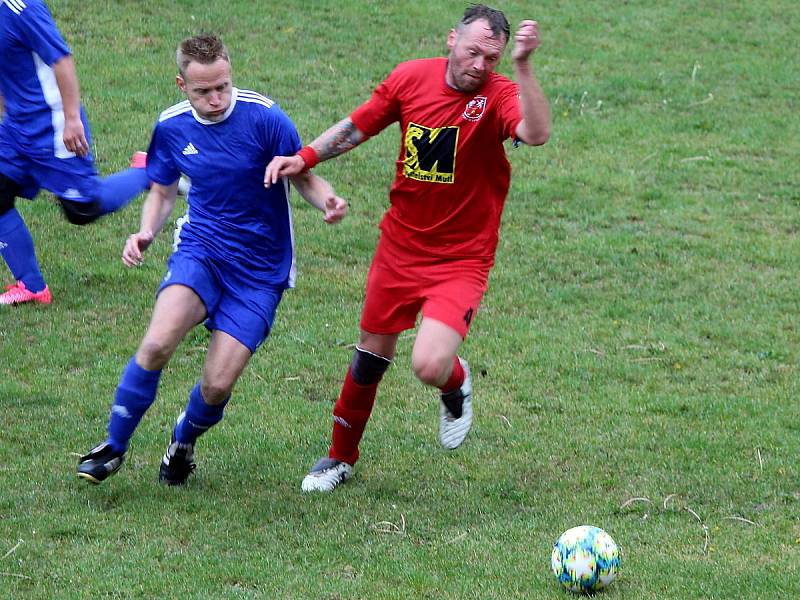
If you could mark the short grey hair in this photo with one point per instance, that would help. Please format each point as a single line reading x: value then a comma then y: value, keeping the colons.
x: 496, y: 19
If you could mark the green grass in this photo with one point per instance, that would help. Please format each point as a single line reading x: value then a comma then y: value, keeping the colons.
x: 639, y: 339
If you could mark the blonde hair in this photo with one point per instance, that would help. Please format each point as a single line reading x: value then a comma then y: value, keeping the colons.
x: 204, y: 49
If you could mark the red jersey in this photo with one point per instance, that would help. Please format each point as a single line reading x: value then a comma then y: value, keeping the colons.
x: 452, y: 172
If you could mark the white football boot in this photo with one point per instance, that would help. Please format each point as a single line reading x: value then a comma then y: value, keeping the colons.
x: 452, y: 429
x: 326, y: 475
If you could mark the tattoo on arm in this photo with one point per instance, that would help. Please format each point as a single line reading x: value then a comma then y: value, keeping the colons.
x: 340, y: 138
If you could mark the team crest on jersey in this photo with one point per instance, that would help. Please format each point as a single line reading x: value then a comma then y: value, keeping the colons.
x: 474, y: 109
x: 430, y: 153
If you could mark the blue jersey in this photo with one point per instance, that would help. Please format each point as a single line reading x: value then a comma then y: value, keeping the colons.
x: 30, y: 44
x: 231, y: 217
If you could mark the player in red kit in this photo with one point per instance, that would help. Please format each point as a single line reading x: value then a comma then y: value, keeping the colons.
x: 439, y: 236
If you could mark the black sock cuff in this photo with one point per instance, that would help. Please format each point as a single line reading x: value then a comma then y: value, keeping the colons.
x: 368, y: 368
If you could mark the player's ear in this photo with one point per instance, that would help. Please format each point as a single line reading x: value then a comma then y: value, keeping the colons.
x: 451, y: 39
x: 180, y: 82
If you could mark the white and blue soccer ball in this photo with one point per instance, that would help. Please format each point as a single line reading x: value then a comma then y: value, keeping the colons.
x: 585, y: 559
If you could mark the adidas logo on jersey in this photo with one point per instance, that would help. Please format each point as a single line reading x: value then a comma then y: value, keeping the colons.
x: 190, y: 149
x: 72, y: 194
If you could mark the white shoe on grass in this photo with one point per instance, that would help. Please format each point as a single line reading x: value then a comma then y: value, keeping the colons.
x: 455, y: 414
x: 326, y: 474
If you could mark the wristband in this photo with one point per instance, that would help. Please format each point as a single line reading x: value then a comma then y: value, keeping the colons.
x: 310, y: 157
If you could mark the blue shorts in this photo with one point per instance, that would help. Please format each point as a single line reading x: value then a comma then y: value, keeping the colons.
x: 73, y: 178
x: 236, y: 304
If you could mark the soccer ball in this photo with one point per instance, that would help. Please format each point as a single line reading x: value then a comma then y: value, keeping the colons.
x: 585, y: 559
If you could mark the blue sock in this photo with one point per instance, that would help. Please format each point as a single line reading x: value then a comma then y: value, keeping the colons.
x: 135, y: 393
x: 198, y: 417
x: 117, y: 190
x: 16, y: 247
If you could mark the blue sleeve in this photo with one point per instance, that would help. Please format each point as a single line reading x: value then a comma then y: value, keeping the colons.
x: 38, y: 30
x: 281, y: 137
x: 161, y: 167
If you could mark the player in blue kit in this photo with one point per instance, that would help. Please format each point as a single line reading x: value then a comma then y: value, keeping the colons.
x: 45, y: 143
x: 233, y: 253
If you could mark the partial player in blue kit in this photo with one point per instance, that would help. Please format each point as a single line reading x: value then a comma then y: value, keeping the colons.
x: 45, y: 143
x: 233, y: 253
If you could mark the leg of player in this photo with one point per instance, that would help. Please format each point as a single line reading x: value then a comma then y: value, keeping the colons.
x: 111, y: 194
x: 435, y: 362
x: 177, y: 310
x: 371, y: 358
x: 117, y: 190
x: 225, y: 361
x: 139, y: 161
x: 17, y: 249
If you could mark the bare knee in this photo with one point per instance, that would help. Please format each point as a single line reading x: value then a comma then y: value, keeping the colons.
x: 215, y: 392
x: 431, y: 370
x: 153, y: 354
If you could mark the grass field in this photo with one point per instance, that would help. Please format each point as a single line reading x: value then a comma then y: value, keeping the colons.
x: 635, y: 360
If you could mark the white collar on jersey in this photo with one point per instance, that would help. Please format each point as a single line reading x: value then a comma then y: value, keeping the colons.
x: 199, y: 119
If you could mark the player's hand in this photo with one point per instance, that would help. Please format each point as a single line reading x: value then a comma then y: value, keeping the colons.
x: 283, y: 166
x: 335, y: 209
x: 135, y: 245
x: 526, y: 40
x: 75, y: 137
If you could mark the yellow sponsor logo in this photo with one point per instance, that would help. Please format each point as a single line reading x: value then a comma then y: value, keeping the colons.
x: 430, y: 153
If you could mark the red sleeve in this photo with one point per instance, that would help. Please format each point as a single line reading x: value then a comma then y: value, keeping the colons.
x: 381, y: 110
x: 509, y: 113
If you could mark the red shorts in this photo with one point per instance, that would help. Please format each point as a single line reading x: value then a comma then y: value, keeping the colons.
x: 400, y: 285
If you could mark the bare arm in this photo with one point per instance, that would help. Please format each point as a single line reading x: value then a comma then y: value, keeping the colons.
x: 155, y: 211
x: 341, y: 138
x: 67, y: 81
x: 534, y: 129
x: 320, y: 194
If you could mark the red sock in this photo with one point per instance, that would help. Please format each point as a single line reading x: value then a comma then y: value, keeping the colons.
x: 456, y: 377
x: 350, y: 416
